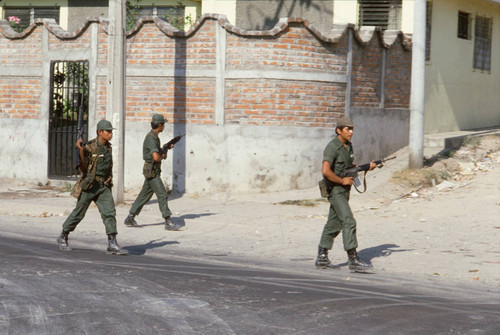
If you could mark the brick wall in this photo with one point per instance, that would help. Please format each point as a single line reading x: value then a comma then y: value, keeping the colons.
x: 271, y: 98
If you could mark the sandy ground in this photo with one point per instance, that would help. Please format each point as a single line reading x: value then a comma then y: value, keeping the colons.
x: 449, y: 232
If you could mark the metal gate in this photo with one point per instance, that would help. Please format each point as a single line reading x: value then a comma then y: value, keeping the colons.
x: 68, y: 119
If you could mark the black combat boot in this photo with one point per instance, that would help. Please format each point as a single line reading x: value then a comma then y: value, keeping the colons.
x: 170, y: 225
x: 130, y: 221
x: 62, y: 241
x: 356, y: 264
x: 113, y: 247
x: 322, y: 260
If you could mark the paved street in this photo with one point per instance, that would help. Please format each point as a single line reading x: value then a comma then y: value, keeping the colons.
x: 45, y: 291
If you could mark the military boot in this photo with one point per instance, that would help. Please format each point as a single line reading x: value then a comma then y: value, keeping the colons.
x: 322, y: 260
x: 355, y: 263
x: 113, y: 247
x: 170, y: 225
x: 130, y: 221
x: 62, y: 241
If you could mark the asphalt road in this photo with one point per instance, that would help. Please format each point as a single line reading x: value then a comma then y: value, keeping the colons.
x: 45, y: 291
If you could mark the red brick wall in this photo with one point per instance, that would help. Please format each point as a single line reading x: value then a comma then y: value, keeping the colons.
x: 397, y: 77
x: 283, y: 103
x: 20, y: 97
x: 154, y: 51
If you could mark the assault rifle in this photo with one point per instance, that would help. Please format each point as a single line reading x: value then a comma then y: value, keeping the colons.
x: 79, y: 129
x: 353, y: 172
x: 167, y: 145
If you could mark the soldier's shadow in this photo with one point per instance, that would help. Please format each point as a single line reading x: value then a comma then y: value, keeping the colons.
x: 180, y: 220
x: 383, y: 250
x: 141, y: 249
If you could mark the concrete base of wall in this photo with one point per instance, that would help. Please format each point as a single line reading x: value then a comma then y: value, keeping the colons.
x: 227, y: 158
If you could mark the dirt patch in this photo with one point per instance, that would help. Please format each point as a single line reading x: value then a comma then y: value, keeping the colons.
x: 476, y: 155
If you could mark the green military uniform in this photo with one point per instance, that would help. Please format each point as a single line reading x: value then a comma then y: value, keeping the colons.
x: 340, y: 217
x: 152, y: 182
x: 96, y: 186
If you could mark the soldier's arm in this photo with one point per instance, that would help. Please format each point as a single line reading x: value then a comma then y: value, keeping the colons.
x: 326, y: 170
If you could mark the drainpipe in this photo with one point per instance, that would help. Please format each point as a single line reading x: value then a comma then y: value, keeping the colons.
x: 417, y: 94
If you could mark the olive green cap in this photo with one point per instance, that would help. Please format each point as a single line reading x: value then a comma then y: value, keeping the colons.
x: 158, y: 119
x: 104, y: 125
x: 345, y: 122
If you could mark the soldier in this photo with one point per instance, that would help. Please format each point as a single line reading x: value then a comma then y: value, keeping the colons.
x: 152, y: 173
x: 337, y: 156
x: 96, y: 164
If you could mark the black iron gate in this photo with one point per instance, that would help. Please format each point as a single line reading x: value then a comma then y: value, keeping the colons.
x: 68, y: 119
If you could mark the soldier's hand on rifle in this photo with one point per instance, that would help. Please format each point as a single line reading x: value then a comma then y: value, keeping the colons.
x: 373, y: 165
x: 79, y: 143
x: 346, y: 181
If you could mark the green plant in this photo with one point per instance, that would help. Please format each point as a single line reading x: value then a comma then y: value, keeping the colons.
x: 15, y: 23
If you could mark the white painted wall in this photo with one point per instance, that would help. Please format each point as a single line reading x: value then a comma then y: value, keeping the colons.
x: 226, y: 7
x: 457, y: 96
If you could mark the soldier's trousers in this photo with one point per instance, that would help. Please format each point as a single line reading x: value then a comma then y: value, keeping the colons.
x: 340, y: 218
x: 150, y: 186
x: 103, y: 198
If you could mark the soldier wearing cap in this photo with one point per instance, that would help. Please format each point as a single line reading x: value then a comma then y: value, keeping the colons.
x: 152, y: 176
x: 337, y: 156
x: 94, y: 185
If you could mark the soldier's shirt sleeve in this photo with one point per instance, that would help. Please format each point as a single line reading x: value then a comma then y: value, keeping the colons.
x: 329, y: 154
x: 150, y: 146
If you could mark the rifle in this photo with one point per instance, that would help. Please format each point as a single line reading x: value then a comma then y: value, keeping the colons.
x: 353, y: 172
x: 79, y: 129
x: 167, y: 145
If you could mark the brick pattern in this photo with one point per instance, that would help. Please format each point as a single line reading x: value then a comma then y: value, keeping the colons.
x: 295, y: 49
x: 292, y: 46
x: 397, y: 77
x: 366, y: 67
x: 149, y: 46
x: 283, y: 103
x: 26, y: 52
x: 20, y: 97
x: 179, y: 101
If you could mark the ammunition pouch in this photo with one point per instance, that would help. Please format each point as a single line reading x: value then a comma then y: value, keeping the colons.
x: 325, y: 188
x: 149, y: 170
x: 87, y: 182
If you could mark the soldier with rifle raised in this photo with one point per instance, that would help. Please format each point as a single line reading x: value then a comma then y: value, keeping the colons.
x: 153, y: 153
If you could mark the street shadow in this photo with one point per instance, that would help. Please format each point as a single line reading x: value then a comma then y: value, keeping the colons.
x: 141, y: 249
x: 383, y: 250
x: 180, y: 220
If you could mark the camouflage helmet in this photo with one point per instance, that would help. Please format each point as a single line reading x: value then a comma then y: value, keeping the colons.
x: 104, y: 125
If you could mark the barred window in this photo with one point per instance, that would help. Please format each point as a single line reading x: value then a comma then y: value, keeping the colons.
x: 464, y: 25
x: 385, y: 14
x: 482, y: 43
x: 27, y: 15
x: 428, y: 30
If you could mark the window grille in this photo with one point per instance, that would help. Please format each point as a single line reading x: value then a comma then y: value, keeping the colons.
x: 29, y: 14
x: 428, y: 30
x: 464, y: 25
x: 385, y: 14
x: 482, y: 43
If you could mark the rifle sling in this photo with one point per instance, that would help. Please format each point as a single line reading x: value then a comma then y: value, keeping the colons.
x: 364, y: 184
